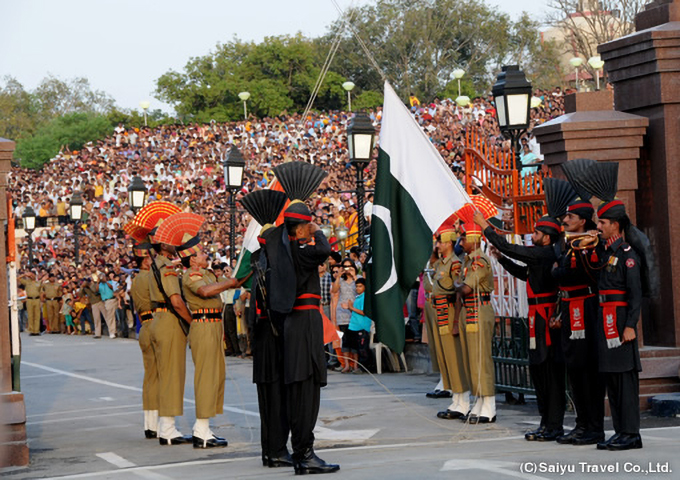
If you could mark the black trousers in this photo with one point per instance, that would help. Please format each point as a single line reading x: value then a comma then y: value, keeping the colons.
x: 623, y: 391
x: 587, y: 387
x: 274, y: 427
x: 548, y: 379
x: 230, y: 329
x: 303, y: 409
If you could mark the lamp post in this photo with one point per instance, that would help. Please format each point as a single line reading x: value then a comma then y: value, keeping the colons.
x: 327, y: 230
x: 137, y: 193
x: 596, y: 63
x: 463, y: 101
x: 144, y: 104
x: 76, y: 212
x: 244, y: 96
x: 576, y: 62
x: 360, y: 143
x: 512, y: 96
x: 349, y: 86
x: 29, y: 226
x: 458, y: 74
x: 234, y: 166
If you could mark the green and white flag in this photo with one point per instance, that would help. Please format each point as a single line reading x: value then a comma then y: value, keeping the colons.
x: 415, y: 192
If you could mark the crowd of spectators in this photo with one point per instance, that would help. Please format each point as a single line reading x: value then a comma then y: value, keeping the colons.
x: 182, y: 164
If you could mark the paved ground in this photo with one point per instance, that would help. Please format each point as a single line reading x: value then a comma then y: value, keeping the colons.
x: 83, y: 402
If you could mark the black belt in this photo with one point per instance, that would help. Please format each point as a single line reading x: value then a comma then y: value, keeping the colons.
x: 33, y: 298
x: 542, y: 300
x: 146, y: 316
x: 307, y: 299
x: 576, y: 291
x: 485, y: 297
x: 613, y: 298
x: 53, y: 298
x: 155, y: 305
x: 200, y: 316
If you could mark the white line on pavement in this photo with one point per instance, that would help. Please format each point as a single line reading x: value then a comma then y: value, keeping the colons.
x: 40, y: 375
x: 116, y: 460
x: 81, y: 410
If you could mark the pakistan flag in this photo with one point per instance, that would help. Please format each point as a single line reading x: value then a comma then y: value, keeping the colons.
x: 415, y: 192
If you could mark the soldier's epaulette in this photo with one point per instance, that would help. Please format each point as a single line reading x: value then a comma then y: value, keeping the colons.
x: 625, y: 246
x: 195, y: 274
x: 170, y: 273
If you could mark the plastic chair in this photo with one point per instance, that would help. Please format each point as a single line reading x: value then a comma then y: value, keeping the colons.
x: 377, y: 347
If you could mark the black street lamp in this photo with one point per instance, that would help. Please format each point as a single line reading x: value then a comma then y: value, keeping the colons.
x: 76, y: 213
x: 234, y: 166
x: 29, y: 226
x: 512, y: 96
x: 360, y: 143
x: 137, y: 194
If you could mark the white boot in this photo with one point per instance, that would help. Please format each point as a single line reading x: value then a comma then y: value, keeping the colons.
x: 477, y: 408
x: 440, y: 385
x: 151, y: 420
x: 202, y: 429
x: 489, y: 408
x: 167, y: 429
x: 463, y: 405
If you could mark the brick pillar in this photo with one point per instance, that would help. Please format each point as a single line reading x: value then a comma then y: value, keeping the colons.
x: 13, y: 446
x: 644, y: 68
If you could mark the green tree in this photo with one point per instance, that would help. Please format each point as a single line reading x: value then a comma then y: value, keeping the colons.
x: 72, y: 130
x: 18, y: 110
x: 57, y: 97
x: 280, y: 74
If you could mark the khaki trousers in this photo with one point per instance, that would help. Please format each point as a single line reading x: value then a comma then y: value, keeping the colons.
x: 431, y: 328
x: 98, y: 312
x: 170, y: 346
x: 482, y: 376
x: 33, y: 310
x: 52, y: 314
x: 150, y: 385
x: 110, y: 307
x: 205, y: 339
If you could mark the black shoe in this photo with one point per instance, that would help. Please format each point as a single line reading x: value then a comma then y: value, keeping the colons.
x: 265, y: 460
x: 572, y: 436
x: 439, y: 394
x: 550, y: 435
x: 626, y: 442
x: 283, y: 460
x: 175, y: 441
x: 311, y: 464
x: 589, y: 438
x: 533, y: 435
x: 213, y: 442
x: 150, y: 434
x: 475, y: 420
x: 604, y: 445
x: 450, y: 414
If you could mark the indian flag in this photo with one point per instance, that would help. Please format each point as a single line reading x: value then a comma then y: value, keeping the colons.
x: 415, y: 193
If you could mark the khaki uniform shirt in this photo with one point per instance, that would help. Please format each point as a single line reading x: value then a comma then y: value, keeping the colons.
x: 140, y: 291
x: 169, y: 279
x: 194, y: 279
x: 51, y: 290
x: 32, y: 287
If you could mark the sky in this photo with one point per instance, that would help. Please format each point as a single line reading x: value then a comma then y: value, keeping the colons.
x: 123, y: 46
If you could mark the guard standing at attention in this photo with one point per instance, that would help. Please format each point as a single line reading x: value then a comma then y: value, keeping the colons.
x: 32, y: 286
x: 202, y: 293
x: 452, y: 339
x: 579, y: 303
x: 51, y: 293
x: 142, y: 305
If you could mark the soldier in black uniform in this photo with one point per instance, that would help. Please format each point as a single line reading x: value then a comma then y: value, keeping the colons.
x: 267, y: 350
x: 620, y: 295
x: 578, y: 318
x: 546, y: 364
x: 295, y: 251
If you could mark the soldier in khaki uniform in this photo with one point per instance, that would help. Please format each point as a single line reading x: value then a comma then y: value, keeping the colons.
x: 33, y: 292
x: 202, y: 293
x: 51, y: 293
x: 169, y: 344
x: 142, y: 305
x: 478, y: 317
x: 430, y: 321
x: 452, y: 354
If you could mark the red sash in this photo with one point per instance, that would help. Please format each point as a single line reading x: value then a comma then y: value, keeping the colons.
x: 543, y: 304
x: 611, y: 332
x: 576, y: 311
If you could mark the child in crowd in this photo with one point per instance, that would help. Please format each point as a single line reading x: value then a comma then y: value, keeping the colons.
x: 66, y: 311
x: 355, y: 340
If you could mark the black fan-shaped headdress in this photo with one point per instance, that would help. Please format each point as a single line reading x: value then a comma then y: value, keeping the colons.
x: 575, y: 170
x: 601, y: 180
x: 558, y: 195
x: 299, y: 179
x: 264, y: 205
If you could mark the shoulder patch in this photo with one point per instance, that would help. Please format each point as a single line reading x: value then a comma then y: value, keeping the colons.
x: 630, y: 263
x: 195, y: 274
x: 626, y: 247
x: 169, y: 274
